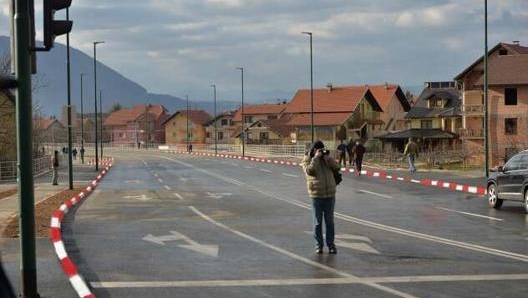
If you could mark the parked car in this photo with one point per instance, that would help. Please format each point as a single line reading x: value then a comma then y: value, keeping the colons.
x: 510, y: 182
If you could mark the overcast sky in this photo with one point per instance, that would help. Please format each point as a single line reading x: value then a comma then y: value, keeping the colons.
x: 181, y: 47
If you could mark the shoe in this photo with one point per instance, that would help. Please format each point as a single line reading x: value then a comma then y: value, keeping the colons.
x: 332, y: 250
x: 318, y: 250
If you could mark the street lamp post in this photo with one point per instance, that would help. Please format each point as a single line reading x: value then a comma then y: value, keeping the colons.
x: 95, y: 43
x: 486, y: 126
x: 242, y: 112
x: 311, y: 88
x: 101, y: 119
x: 82, y: 120
x: 187, y: 123
x: 214, y: 117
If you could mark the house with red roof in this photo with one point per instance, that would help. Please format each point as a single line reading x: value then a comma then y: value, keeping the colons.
x: 50, y: 130
x: 142, y: 124
x: 224, y: 128
x: 339, y: 113
x: 261, y: 123
x: 507, y: 104
x: 186, y: 126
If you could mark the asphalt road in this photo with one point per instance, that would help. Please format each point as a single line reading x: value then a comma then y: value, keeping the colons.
x: 167, y: 225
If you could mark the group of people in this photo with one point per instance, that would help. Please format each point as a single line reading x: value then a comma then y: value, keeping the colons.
x: 355, y: 151
x: 319, y: 169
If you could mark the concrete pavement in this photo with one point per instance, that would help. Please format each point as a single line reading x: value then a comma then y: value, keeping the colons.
x: 52, y: 281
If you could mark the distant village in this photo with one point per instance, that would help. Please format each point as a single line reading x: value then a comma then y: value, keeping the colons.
x: 447, y: 115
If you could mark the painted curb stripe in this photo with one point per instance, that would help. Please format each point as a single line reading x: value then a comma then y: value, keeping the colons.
x: 55, y: 236
x: 427, y: 182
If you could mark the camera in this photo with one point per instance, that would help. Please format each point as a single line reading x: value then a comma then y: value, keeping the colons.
x: 326, y: 152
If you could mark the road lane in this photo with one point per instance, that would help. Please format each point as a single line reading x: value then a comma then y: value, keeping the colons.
x: 273, y: 209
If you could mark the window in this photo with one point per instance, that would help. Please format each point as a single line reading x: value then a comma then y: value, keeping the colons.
x: 427, y: 124
x: 272, y: 116
x: 264, y: 135
x: 503, y: 52
x: 510, y: 126
x: 223, y: 122
x: 220, y: 135
x: 248, y: 119
x: 510, y: 96
x: 207, y: 134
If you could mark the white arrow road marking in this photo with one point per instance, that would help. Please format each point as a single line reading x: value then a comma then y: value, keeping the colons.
x: 142, y: 197
x: 218, y: 195
x: 355, y: 242
x: 180, y: 197
x: 265, y: 170
x: 209, y: 250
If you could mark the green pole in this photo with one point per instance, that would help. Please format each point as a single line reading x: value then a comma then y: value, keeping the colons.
x: 70, y: 161
x: 25, y: 183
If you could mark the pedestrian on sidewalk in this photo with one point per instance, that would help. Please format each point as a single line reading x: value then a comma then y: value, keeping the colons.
x: 319, y: 168
x: 359, y: 151
x: 350, y: 149
x: 55, y: 167
x: 341, y: 153
x: 411, y: 152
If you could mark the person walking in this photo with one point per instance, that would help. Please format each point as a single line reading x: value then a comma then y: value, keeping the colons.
x: 341, y: 153
x: 55, y: 167
x: 319, y: 168
x: 359, y: 151
x: 350, y: 149
x: 411, y: 152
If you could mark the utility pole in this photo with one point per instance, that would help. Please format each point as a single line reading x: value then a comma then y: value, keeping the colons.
x: 68, y: 80
x: 23, y: 52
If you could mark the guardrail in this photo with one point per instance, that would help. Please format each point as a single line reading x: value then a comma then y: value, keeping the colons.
x: 8, y: 169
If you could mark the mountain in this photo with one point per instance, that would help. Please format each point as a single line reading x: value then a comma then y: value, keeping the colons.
x: 50, y: 85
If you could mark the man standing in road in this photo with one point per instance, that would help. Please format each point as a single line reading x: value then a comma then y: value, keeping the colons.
x: 319, y: 168
x: 411, y: 152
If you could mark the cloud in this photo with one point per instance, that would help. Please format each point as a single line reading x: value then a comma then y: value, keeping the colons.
x: 200, y: 41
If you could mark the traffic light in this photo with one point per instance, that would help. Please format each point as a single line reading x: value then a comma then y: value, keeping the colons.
x: 52, y: 27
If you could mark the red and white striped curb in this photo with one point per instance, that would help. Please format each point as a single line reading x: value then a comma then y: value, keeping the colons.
x: 480, y: 190
x: 68, y: 266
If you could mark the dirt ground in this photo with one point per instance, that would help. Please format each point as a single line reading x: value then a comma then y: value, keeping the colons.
x: 43, y: 212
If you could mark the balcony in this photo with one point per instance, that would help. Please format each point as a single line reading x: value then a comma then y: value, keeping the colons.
x: 471, y: 133
x: 469, y: 110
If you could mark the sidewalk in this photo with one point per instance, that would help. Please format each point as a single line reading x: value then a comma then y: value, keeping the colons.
x: 51, y: 279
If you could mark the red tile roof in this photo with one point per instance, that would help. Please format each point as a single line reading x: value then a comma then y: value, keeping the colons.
x: 260, y: 109
x: 124, y: 116
x: 200, y: 117
x: 338, y: 100
x: 44, y: 123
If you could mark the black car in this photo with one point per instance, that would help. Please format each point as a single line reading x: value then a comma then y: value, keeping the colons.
x: 510, y: 182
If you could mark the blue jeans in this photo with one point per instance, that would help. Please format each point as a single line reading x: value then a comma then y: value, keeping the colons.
x: 411, y: 163
x: 323, y: 208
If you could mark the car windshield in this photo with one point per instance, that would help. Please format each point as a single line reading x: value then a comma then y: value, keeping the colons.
x: 517, y: 162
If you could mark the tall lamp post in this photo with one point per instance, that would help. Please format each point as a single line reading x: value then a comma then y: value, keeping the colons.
x: 311, y: 87
x: 242, y: 111
x: 101, y: 119
x: 486, y: 126
x: 95, y: 43
x: 214, y: 117
x: 187, y: 123
x: 82, y: 120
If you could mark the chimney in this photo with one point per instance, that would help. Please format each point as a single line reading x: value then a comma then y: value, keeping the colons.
x: 386, y: 85
x: 329, y: 87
